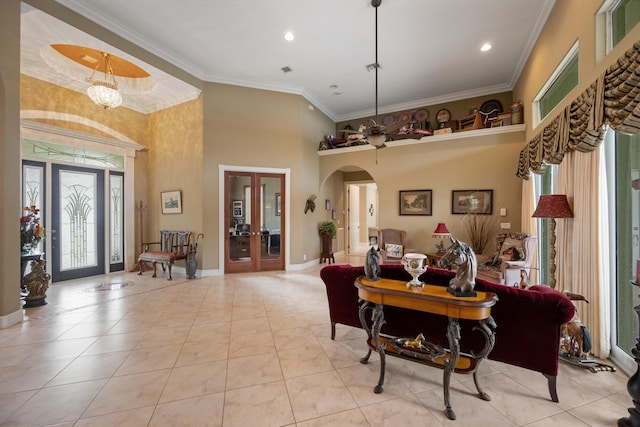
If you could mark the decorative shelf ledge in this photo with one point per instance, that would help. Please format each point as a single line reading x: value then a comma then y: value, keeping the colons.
x: 434, y: 138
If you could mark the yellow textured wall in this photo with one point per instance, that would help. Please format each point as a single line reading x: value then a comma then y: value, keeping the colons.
x: 175, y: 163
x: 38, y: 95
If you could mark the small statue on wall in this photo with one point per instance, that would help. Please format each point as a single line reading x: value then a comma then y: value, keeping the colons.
x: 372, y: 264
x: 311, y: 204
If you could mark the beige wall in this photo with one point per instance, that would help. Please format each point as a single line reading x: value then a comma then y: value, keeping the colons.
x: 9, y: 162
x: 262, y: 129
x: 482, y: 162
x: 570, y: 20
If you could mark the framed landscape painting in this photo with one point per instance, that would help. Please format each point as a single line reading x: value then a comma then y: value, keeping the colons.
x: 415, y: 202
x: 171, y: 202
x: 472, y: 201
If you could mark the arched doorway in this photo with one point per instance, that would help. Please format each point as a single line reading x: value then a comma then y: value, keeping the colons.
x: 362, y: 218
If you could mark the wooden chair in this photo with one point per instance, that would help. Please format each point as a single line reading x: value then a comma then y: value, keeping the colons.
x: 173, y: 245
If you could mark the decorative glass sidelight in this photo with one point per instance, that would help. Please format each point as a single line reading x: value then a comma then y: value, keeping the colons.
x: 33, y: 185
x: 116, y: 232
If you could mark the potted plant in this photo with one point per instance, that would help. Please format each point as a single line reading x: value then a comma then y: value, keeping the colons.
x: 327, y: 234
x: 329, y: 228
x: 31, y: 232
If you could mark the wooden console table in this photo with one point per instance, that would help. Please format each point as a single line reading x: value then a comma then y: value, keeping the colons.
x: 374, y: 295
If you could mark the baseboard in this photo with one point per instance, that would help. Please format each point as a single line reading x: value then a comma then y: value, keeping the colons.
x: 303, y: 266
x: 11, y: 319
x: 208, y: 273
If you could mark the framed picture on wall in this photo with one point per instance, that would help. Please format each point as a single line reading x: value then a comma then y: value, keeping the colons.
x: 171, y: 202
x: 472, y: 201
x: 236, y: 208
x: 415, y: 202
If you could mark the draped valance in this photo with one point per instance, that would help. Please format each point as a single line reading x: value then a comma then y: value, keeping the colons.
x: 612, y: 100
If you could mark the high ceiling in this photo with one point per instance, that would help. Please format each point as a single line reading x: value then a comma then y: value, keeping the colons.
x: 429, y: 50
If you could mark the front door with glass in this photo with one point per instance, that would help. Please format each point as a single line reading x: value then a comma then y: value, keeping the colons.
x: 77, y: 232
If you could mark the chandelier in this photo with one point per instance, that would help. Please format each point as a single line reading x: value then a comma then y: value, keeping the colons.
x: 104, y: 92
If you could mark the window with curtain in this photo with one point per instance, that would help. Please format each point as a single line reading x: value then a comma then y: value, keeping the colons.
x: 561, y: 82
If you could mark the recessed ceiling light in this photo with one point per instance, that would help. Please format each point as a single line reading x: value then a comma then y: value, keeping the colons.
x: 485, y: 47
x: 288, y: 36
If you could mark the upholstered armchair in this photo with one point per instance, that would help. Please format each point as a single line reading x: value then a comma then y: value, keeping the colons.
x: 393, y: 245
x: 514, y: 251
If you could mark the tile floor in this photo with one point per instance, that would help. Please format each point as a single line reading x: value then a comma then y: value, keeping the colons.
x: 249, y: 350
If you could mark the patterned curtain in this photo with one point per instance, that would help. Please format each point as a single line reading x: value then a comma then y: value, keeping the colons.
x: 613, y: 100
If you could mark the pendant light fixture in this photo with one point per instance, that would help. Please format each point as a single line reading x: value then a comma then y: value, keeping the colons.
x: 375, y: 135
x: 104, y: 92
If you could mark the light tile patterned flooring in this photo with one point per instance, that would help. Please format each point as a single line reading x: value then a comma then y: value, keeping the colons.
x: 249, y: 350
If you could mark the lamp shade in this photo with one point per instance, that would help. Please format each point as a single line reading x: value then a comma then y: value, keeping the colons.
x: 553, y: 206
x: 441, y: 230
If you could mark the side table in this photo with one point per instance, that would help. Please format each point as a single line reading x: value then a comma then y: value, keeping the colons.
x: 374, y: 295
x: 326, y: 252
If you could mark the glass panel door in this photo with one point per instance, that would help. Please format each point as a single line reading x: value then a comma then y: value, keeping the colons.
x: 238, y: 221
x: 627, y: 238
x: 271, y: 221
x: 77, y: 234
x: 254, y: 220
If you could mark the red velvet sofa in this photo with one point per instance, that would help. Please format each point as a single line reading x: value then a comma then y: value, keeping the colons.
x: 528, y: 321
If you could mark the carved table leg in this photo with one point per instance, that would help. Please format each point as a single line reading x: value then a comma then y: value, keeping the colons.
x: 453, y: 335
x: 364, y: 306
x: 378, y: 321
x: 486, y: 328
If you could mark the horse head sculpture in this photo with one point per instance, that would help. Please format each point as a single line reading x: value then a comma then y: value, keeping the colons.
x: 461, y: 254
